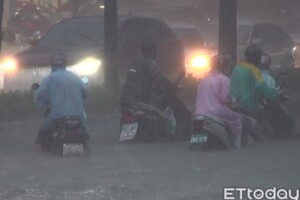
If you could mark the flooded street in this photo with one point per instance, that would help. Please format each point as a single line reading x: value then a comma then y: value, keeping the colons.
x: 117, y: 171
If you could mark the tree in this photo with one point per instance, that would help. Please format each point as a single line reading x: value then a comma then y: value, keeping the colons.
x: 228, y: 27
x: 1, y: 16
x: 111, y: 46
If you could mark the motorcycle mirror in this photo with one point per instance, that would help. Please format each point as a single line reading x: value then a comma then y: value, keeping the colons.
x: 35, y: 86
x: 85, y: 80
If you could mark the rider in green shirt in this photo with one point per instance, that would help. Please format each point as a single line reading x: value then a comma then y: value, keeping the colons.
x: 247, y: 85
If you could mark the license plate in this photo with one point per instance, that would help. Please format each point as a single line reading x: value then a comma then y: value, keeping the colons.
x: 199, y: 138
x: 128, y: 131
x: 72, y: 149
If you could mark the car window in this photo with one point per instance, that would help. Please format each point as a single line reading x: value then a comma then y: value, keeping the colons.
x: 134, y: 31
x: 210, y: 34
x: 51, y: 15
x: 269, y: 33
x: 140, y: 29
x: 92, y: 8
x: 83, y: 33
x: 190, y: 37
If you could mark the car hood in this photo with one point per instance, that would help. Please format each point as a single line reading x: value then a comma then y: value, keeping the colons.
x: 39, y: 56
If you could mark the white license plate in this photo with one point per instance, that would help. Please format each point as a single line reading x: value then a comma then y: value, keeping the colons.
x: 72, y: 149
x: 128, y: 131
x: 199, y: 138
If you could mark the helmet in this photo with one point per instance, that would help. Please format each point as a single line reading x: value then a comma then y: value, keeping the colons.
x: 148, y: 48
x: 253, y: 54
x: 58, y: 60
x: 265, y: 62
x: 220, y: 61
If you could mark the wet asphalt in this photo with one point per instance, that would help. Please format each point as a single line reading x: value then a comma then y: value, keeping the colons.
x: 114, y: 171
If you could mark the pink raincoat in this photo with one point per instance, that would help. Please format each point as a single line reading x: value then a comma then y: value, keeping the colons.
x: 212, y: 97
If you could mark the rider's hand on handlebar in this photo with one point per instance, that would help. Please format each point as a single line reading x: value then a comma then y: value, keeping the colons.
x: 35, y: 86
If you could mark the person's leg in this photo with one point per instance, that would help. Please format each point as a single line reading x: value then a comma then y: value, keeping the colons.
x: 47, y: 126
x: 234, y: 122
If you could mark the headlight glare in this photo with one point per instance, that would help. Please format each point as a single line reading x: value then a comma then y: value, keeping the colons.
x: 199, y: 62
x: 8, y: 65
x: 198, y: 65
x: 86, y: 67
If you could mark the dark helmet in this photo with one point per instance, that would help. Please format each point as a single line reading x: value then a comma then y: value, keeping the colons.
x: 220, y: 61
x: 148, y: 48
x: 58, y: 60
x: 253, y: 54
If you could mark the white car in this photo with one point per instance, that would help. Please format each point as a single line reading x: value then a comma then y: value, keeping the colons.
x: 270, y: 37
x: 197, y: 55
x: 201, y: 43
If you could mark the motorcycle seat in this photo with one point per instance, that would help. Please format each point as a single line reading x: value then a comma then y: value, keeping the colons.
x: 217, y: 119
x: 70, y: 121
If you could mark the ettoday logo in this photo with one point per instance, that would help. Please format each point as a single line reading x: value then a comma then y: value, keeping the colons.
x: 260, y: 194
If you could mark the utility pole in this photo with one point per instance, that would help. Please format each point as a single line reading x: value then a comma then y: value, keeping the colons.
x: 75, y: 8
x: 111, y: 46
x: 228, y: 27
x: 1, y: 17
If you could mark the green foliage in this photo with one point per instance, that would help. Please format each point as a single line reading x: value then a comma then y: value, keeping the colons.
x: 18, y: 105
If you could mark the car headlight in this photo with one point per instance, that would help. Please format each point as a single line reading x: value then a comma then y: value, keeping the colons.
x: 200, y: 62
x: 295, y: 49
x: 198, y: 65
x: 86, y: 67
x: 8, y: 65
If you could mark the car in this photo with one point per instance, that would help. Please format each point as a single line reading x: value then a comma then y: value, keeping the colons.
x: 195, y: 50
x: 270, y: 37
x: 85, y: 8
x: 81, y: 39
x: 201, y: 43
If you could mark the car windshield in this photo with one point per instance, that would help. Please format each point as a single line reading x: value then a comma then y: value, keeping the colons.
x: 190, y: 37
x: 210, y: 34
x: 83, y: 33
x: 51, y: 15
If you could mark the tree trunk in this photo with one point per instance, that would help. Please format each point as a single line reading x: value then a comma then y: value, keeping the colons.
x: 1, y: 17
x: 111, y: 47
x: 228, y: 27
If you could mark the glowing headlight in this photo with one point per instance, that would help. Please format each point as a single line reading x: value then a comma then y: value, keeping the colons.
x: 86, y: 67
x: 200, y: 62
x: 9, y: 65
x: 198, y: 65
x: 294, y: 49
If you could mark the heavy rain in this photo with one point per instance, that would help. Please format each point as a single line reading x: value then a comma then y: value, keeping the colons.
x: 149, y: 99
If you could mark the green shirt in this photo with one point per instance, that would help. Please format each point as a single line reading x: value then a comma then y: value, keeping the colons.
x: 247, y: 86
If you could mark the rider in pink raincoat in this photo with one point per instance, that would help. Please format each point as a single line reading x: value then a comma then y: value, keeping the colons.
x: 214, y: 97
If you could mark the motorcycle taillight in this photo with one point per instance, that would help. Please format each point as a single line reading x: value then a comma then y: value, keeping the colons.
x: 198, y: 124
x: 128, y: 116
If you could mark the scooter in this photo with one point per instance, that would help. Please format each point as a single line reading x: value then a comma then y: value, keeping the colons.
x: 68, y: 137
x: 165, y: 118
x: 211, y: 132
x: 278, y: 116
